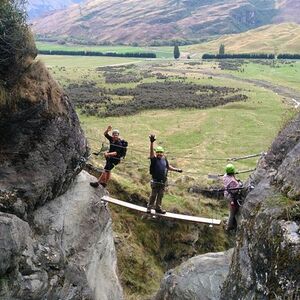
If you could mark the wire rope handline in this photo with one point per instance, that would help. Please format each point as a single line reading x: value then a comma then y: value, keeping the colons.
x: 212, y: 176
x: 103, y: 144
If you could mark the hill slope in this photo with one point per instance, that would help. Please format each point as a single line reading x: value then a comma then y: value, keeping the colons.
x: 144, y: 21
x: 36, y: 8
x: 279, y: 38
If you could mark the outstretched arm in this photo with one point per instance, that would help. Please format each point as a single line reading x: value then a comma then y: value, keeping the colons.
x: 152, y: 140
x: 171, y: 168
x: 110, y: 154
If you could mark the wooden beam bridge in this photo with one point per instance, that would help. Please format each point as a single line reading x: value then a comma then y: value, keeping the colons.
x: 167, y: 215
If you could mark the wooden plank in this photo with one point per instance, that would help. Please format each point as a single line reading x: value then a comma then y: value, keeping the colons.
x: 167, y: 215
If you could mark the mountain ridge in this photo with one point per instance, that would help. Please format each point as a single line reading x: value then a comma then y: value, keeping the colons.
x: 133, y: 21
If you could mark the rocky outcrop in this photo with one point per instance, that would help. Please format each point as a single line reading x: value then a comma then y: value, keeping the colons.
x: 56, y: 239
x: 67, y: 253
x: 266, y: 260
x: 41, y: 142
x: 198, y: 278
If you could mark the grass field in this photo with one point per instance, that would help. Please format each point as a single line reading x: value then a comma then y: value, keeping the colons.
x: 67, y: 69
x: 190, y: 135
x: 285, y: 74
x: 198, y: 141
x: 161, y: 52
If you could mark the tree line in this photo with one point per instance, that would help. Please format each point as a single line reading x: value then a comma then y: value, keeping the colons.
x: 96, y: 53
x: 288, y: 56
x: 239, y: 55
x: 222, y: 55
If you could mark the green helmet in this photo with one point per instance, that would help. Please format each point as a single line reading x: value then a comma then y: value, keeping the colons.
x: 159, y: 149
x: 230, y: 169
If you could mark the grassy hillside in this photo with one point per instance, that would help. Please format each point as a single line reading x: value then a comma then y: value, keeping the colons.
x: 147, y: 21
x: 199, y: 141
x: 280, y: 38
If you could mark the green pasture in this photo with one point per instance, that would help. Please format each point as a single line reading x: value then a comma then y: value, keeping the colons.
x: 161, y: 52
x: 70, y: 69
x: 84, y: 62
x: 285, y: 74
x: 199, y: 141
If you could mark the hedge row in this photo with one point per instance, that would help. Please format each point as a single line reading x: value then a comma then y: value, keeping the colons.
x: 251, y: 56
x: 241, y: 55
x: 288, y: 56
x: 95, y: 53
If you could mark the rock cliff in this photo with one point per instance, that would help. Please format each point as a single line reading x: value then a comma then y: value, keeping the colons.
x: 266, y: 259
x: 56, y: 238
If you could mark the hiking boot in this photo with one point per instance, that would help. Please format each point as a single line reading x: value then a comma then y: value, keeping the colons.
x: 103, y: 184
x: 148, y: 210
x: 160, y: 211
x: 94, y: 184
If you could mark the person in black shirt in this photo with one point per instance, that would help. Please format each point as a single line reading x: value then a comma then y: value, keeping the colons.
x: 159, y: 168
x: 112, y: 156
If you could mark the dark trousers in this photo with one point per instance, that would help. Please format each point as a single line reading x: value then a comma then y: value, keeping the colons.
x: 233, y: 216
x: 157, y: 193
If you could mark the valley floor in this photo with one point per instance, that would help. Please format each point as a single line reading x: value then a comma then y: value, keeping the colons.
x: 163, y: 97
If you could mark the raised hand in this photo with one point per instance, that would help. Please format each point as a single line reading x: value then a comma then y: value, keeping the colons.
x: 152, y: 138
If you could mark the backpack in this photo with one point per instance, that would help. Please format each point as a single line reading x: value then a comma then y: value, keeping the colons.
x: 123, y: 150
x: 237, y: 195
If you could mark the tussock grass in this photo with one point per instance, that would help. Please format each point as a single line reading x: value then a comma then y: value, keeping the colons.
x: 277, y: 38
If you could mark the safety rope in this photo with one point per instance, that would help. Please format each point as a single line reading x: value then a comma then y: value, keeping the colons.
x: 192, y: 157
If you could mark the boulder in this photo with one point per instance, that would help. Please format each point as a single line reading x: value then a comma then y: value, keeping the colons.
x: 13, y: 236
x: 68, y: 253
x: 41, y: 143
x: 198, y: 278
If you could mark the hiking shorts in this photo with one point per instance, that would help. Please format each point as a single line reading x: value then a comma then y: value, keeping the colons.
x: 110, y: 164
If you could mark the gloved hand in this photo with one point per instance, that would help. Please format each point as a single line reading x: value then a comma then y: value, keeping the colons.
x: 179, y: 170
x: 152, y: 138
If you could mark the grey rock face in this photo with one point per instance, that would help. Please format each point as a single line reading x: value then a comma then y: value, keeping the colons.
x: 266, y: 260
x: 13, y: 233
x: 41, y: 143
x: 199, y: 278
x: 68, y: 253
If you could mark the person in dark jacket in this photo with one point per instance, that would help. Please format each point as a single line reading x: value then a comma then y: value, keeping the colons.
x: 112, y: 156
x: 159, y: 168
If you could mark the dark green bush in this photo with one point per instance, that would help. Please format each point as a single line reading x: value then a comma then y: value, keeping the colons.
x: 17, y: 46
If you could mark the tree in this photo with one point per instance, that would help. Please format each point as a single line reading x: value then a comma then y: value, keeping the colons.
x: 17, y: 46
x: 176, y: 52
x: 222, y: 49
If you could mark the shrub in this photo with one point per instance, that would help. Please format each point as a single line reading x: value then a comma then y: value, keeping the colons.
x: 17, y: 46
